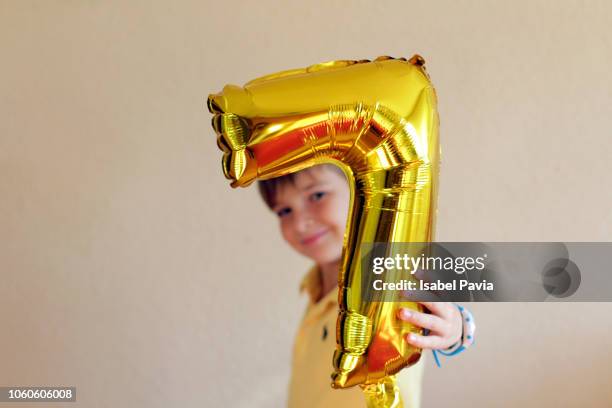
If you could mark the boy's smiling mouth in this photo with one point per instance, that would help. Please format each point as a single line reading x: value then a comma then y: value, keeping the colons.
x: 314, y: 237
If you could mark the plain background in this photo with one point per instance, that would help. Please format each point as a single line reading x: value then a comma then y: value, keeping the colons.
x: 131, y: 270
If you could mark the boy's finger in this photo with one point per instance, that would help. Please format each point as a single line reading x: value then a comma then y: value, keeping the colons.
x: 424, y: 320
x: 421, y: 275
x: 412, y: 295
x: 426, y: 342
x: 437, y: 308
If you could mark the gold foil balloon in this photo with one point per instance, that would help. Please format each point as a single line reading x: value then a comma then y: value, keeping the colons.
x: 378, y: 121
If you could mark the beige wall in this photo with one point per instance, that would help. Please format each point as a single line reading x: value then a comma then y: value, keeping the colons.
x: 130, y: 269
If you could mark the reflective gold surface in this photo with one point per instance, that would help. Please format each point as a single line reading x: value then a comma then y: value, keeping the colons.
x: 378, y: 121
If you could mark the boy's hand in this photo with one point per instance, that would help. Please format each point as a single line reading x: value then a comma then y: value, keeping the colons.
x: 444, y: 323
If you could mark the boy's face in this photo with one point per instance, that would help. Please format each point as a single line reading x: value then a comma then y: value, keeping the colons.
x: 313, y: 212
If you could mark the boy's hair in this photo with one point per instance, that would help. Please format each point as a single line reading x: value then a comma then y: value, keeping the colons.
x: 269, y: 188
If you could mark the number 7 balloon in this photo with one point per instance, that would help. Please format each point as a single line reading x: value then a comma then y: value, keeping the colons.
x: 378, y: 121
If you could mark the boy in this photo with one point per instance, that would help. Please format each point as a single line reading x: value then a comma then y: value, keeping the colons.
x: 312, y: 206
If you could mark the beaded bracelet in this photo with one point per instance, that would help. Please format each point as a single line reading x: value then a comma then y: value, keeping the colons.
x: 467, y: 336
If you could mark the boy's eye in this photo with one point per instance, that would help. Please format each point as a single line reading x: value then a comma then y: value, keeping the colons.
x: 317, y: 196
x: 283, y: 211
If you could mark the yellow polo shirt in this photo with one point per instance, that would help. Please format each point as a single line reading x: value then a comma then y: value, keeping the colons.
x: 312, y: 358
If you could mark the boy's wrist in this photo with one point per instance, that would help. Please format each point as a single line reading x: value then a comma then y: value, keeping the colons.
x: 467, y: 336
x: 458, y: 343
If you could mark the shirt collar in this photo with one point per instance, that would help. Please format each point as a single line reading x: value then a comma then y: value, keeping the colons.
x: 312, y: 284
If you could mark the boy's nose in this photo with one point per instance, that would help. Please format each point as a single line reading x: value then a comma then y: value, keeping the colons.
x: 304, y: 222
